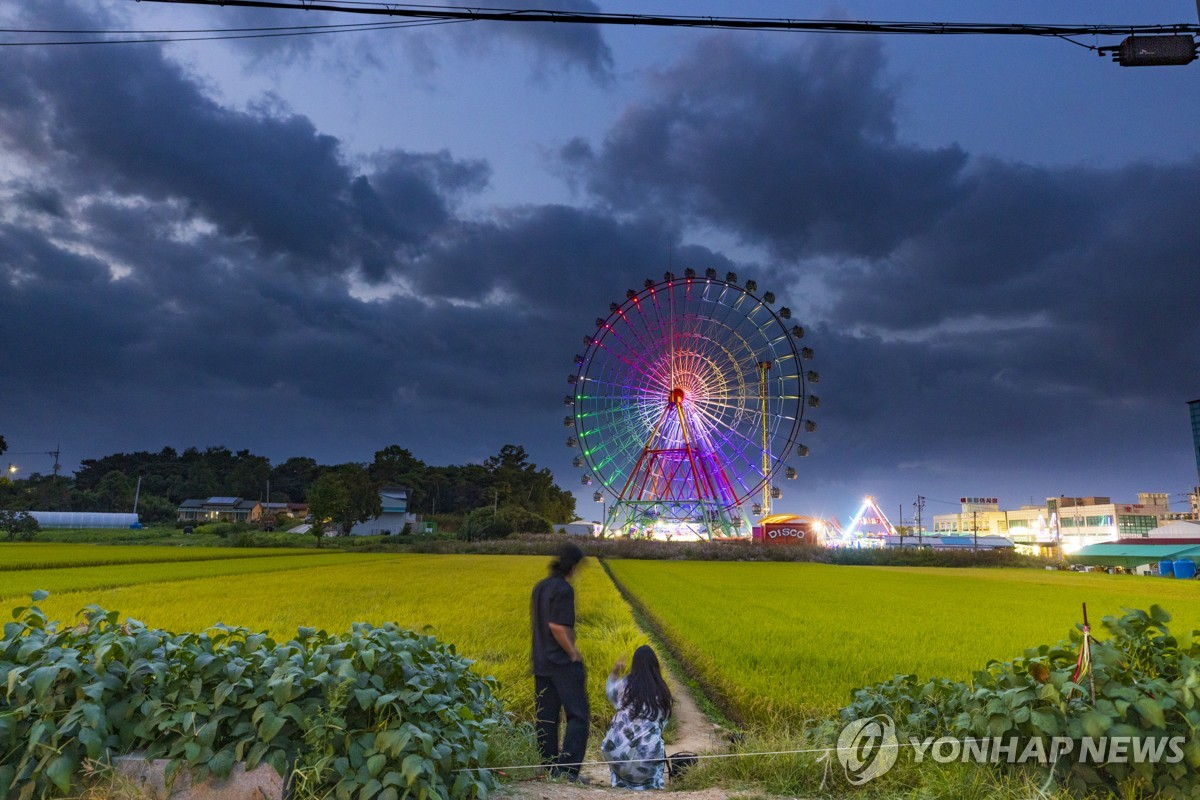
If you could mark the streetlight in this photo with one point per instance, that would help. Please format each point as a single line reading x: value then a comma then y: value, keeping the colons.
x: 12, y: 470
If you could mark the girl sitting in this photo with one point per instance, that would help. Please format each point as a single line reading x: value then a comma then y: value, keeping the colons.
x: 634, y: 745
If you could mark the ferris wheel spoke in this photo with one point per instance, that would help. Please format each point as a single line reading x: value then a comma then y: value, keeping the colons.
x: 599, y: 344
x: 629, y: 324
x: 617, y: 424
x: 756, y: 445
x: 716, y: 422
x: 727, y: 311
x: 669, y: 332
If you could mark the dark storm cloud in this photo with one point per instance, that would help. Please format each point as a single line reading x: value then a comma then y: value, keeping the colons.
x: 131, y: 122
x: 51, y: 318
x: 795, y: 148
x: 47, y: 201
x: 551, y: 255
x: 1076, y: 272
x: 205, y: 318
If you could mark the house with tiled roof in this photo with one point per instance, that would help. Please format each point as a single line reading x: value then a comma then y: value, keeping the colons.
x: 219, y: 509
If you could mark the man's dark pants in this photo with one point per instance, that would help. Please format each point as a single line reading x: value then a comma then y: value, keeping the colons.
x: 562, y: 689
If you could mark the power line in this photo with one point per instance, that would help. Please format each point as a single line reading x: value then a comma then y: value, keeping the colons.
x: 218, y: 33
x: 1151, y: 48
x: 465, y: 13
x: 420, y: 15
x: 102, y: 32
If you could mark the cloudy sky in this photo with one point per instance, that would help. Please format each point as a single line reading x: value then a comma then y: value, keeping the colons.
x: 323, y: 245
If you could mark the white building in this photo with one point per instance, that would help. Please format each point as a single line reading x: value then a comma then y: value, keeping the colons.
x: 577, y: 528
x: 393, y: 517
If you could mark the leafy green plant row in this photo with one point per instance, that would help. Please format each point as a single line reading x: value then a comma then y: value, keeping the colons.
x: 1147, y: 686
x: 379, y: 712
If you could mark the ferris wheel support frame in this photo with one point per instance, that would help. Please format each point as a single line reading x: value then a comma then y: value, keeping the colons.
x: 645, y: 504
x: 763, y: 368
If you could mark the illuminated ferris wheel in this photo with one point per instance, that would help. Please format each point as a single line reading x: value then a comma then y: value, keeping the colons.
x: 689, y: 401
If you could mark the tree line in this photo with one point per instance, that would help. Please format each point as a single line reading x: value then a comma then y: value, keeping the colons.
x: 508, y: 479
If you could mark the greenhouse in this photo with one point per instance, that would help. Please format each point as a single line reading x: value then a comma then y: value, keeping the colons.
x: 84, y: 519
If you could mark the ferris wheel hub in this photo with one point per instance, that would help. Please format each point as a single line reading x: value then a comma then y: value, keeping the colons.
x: 677, y: 395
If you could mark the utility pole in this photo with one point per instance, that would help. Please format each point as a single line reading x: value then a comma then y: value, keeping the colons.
x: 137, y: 493
x: 975, y: 528
x: 56, y: 452
x: 763, y: 368
x: 920, y: 504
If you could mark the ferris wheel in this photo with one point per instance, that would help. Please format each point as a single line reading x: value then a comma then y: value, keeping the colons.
x: 689, y: 402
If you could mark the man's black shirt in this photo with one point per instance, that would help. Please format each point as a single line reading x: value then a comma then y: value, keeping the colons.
x: 553, y: 601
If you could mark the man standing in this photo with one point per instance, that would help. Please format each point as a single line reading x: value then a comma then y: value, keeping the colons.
x: 558, y: 675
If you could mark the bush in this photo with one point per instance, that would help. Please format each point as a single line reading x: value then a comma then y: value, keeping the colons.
x: 18, y: 525
x: 1147, y: 687
x: 155, y: 510
x: 222, y: 528
x: 267, y: 539
x: 485, y: 523
x: 379, y: 712
x: 523, y: 520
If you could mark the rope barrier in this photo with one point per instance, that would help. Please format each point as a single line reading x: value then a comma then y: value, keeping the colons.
x: 697, y: 756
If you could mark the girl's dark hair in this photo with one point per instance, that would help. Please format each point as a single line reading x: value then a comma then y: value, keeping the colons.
x: 646, y: 693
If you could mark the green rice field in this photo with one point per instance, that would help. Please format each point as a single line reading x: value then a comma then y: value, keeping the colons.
x: 771, y: 642
x: 782, y: 642
x: 478, y: 603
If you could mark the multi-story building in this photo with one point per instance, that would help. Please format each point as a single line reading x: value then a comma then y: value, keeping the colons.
x: 1071, y: 522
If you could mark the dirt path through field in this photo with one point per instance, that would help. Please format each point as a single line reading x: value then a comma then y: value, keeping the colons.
x: 693, y: 731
